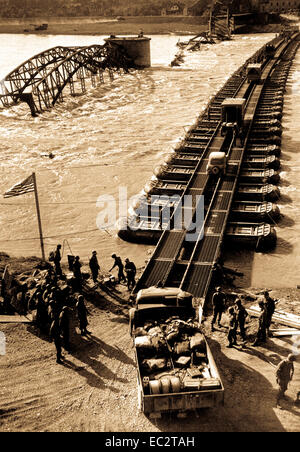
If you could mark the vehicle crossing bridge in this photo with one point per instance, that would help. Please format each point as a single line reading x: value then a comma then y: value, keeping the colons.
x: 41, y: 80
x: 189, y: 264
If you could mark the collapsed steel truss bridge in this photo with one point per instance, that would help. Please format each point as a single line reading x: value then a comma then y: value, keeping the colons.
x: 41, y: 80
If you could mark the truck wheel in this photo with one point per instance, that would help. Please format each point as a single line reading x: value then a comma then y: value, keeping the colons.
x: 215, y: 170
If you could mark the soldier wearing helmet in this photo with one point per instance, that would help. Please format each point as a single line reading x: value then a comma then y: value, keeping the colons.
x: 130, y: 270
x: 218, y: 301
x: 118, y: 263
x: 270, y: 309
x: 261, y: 336
x: 284, y: 375
x: 232, y: 327
x: 94, y: 266
x: 241, y: 315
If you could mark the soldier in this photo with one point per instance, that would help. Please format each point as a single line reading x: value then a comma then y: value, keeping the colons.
x: 77, y: 267
x: 41, y: 314
x: 284, y: 374
x: 94, y: 266
x: 130, y: 270
x: 262, y: 325
x: 52, y: 310
x: 64, y: 324
x: 218, y: 301
x: 77, y: 272
x: 57, y: 259
x: 232, y: 327
x: 52, y: 293
x: 218, y: 276
x: 241, y: 315
x: 223, y: 275
x: 49, y: 276
x: 55, y: 335
x: 118, y: 263
x: 82, y: 315
x: 46, y: 294
x: 270, y: 304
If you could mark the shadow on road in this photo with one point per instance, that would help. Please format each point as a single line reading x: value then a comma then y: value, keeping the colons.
x: 90, y: 351
x: 249, y: 402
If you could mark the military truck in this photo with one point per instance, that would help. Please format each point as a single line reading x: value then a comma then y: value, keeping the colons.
x: 176, y: 371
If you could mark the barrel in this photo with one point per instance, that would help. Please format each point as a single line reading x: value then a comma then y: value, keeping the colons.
x: 155, y: 387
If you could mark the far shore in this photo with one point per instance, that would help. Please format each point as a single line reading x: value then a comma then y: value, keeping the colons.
x: 129, y: 26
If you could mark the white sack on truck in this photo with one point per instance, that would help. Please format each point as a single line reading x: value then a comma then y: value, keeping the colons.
x: 143, y: 342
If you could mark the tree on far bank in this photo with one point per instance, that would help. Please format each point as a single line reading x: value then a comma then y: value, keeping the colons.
x: 108, y: 8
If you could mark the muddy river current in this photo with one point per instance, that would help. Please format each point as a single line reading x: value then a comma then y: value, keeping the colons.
x: 113, y: 136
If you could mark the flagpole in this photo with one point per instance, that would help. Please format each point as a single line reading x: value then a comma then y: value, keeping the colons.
x: 38, y: 216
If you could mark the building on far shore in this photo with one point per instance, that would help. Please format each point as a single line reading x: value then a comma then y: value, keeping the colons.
x: 187, y: 8
x: 177, y: 9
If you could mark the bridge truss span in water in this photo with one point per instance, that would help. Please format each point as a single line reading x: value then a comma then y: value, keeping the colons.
x: 41, y: 80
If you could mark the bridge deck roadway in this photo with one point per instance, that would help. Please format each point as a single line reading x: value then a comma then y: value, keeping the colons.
x: 179, y: 262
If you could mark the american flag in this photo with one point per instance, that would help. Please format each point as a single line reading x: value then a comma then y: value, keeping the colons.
x: 27, y: 186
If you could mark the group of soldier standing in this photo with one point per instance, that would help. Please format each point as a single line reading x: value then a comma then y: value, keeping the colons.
x: 54, y: 306
x: 60, y: 327
x: 238, y: 314
x: 130, y: 270
x: 237, y: 317
x: 75, y: 266
x: 53, y: 303
x: 60, y: 311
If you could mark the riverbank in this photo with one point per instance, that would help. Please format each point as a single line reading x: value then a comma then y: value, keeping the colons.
x: 158, y: 25
x: 95, y: 389
x: 104, y: 26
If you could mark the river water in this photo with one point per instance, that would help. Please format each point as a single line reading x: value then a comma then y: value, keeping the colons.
x: 114, y: 136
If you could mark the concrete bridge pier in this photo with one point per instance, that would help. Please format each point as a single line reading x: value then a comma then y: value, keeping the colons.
x: 138, y: 48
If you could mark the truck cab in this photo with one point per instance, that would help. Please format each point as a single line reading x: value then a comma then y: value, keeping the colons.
x: 254, y: 72
x: 233, y: 113
x: 217, y: 163
x: 159, y: 297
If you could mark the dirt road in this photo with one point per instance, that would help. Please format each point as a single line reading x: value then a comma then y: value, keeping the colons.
x: 95, y: 389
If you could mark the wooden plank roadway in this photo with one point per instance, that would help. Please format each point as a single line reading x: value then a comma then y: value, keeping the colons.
x: 166, y: 264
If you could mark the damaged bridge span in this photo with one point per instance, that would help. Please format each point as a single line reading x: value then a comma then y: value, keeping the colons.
x: 41, y: 80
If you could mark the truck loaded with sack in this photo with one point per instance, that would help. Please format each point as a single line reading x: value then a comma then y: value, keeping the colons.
x: 176, y: 371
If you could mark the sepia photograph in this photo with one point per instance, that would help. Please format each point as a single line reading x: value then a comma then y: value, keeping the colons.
x: 149, y: 217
